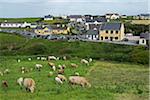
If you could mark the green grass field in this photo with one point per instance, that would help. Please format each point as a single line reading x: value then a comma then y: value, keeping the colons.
x: 110, y: 80
x: 19, y: 19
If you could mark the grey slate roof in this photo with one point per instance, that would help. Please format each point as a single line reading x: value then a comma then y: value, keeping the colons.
x: 75, y: 16
x: 48, y: 16
x: 98, y: 19
x: 110, y: 26
x: 145, y: 36
x: 92, y: 32
x: 94, y: 26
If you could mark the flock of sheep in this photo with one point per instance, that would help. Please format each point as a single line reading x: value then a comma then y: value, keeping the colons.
x: 29, y: 83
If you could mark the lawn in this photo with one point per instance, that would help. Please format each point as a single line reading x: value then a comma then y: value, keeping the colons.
x: 29, y: 20
x: 110, y: 80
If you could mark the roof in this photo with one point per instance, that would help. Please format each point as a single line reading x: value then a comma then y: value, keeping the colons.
x: 145, y: 15
x: 75, y: 16
x: 40, y: 27
x: 55, y: 27
x: 48, y: 16
x: 98, y: 19
x: 94, y: 26
x: 112, y: 14
x: 145, y: 36
x: 110, y: 26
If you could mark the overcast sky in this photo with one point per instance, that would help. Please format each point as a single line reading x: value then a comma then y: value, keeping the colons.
x: 39, y: 8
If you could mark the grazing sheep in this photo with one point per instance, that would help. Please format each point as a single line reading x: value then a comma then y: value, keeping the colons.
x: 38, y: 66
x: 6, y: 71
x: 43, y: 58
x: 52, y: 58
x: 4, y: 84
x: 29, y: 59
x: 58, y: 80
x: 54, y: 68
x: 20, y: 81
x: 18, y: 60
x: 50, y: 74
x: 90, y: 59
x: 57, y: 58
x: 64, y: 58
x: 51, y: 64
x: 74, y: 65
x: 1, y: 73
x: 61, y: 71
x: 84, y: 62
x: 62, y: 77
x: 79, y: 81
x: 76, y: 74
x: 38, y: 58
x: 29, y: 84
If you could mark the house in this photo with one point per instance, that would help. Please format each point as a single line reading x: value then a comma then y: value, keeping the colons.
x: 112, y: 16
x: 75, y: 18
x: 39, y: 30
x: 15, y: 25
x: 48, y: 17
x: 144, y: 38
x: 94, y: 21
x: 92, y: 35
x: 58, y: 29
x: 123, y: 16
x: 111, y: 32
x: 144, y: 16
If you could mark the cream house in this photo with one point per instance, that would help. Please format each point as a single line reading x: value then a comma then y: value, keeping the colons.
x: 111, y: 32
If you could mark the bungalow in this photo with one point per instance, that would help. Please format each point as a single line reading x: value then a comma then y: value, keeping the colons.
x: 39, y: 30
x: 75, y: 18
x: 144, y: 39
x: 48, y: 17
x: 111, y: 32
x: 112, y: 16
x: 15, y: 25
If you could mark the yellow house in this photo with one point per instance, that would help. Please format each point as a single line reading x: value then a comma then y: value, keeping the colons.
x: 59, y: 29
x: 111, y: 32
x: 43, y: 30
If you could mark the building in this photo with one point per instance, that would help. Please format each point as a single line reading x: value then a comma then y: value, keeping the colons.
x: 90, y: 35
x: 111, y: 32
x: 75, y: 18
x: 144, y: 16
x: 112, y: 16
x: 15, y: 25
x: 144, y: 38
x: 94, y: 22
x: 39, y: 30
x: 48, y: 17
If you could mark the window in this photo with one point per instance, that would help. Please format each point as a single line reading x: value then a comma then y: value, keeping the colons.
x: 116, y: 38
x: 101, y: 38
x: 143, y: 41
x: 106, y: 37
x: 106, y: 31
x: 111, y: 32
x: 117, y: 32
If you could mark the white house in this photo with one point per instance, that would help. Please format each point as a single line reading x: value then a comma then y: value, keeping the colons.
x: 48, y: 17
x: 75, y: 18
x: 112, y: 16
x: 144, y: 38
x: 15, y: 25
x: 90, y: 35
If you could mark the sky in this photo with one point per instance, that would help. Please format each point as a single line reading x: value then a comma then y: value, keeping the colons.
x: 39, y: 8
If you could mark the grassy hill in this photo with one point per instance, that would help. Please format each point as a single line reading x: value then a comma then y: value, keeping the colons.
x: 19, y: 19
x: 16, y: 45
x: 110, y: 80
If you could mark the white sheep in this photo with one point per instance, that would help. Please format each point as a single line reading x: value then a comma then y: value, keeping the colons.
x: 38, y: 66
x: 58, y: 80
x: 84, y: 62
x: 90, y: 59
x: 29, y: 59
x: 54, y: 68
x: 1, y: 73
x: 6, y: 71
x: 52, y: 58
x: 18, y: 60
x: 20, y: 81
x: 29, y: 84
x: 38, y: 58
x: 43, y: 58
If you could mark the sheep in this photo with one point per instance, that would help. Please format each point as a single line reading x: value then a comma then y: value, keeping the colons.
x: 38, y: 66
x: 1, y: 73
x: 6, y: 71
x: 50, y: 74
x: 64, y: 58
x: 90, y: 59
x: 20, y: 82
x: 61, y: 71
x: 38, y: 58
x: 58, y: 80
x: 79, y: 81
x: 54, y: 68
x: 29, y: 59
x: 57, y: 58
x: 18, y: 60
x: 4, y: 84
x: 43, y: 58
x: 62, y: 77
x: 23, y: 70
x: 51, y: 64
x: 29, y: 84
x: 84, y: 62
x: 74, y: 65
x: 52, y: 58
x: 76, y: 74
